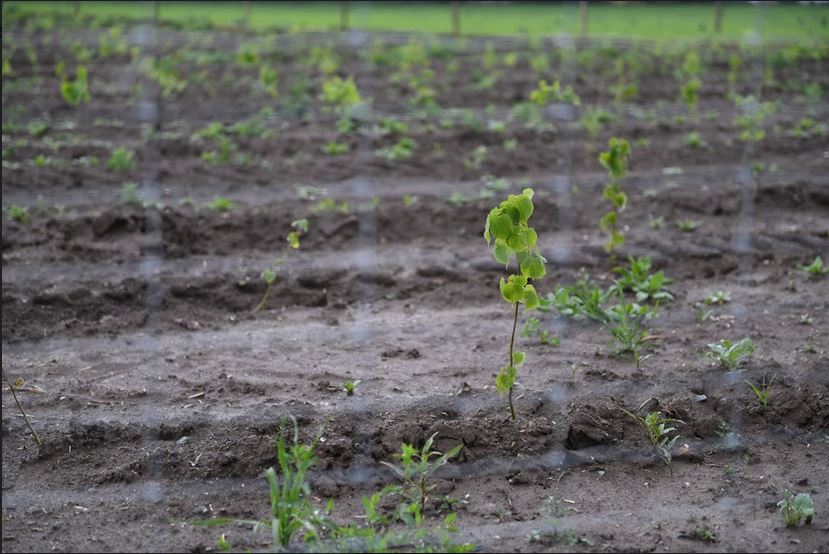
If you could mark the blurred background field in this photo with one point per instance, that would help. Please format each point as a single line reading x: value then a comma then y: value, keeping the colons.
x: 669, y: 21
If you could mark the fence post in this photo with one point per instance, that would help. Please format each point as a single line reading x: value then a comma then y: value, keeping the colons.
x: 456, y: 18
x: 717, y: 17
x: 583, y: 17
x: 343, y: 16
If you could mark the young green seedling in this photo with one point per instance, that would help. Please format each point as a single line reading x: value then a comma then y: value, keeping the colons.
x: 615, y: 160
x: 547, y: 94
x: 340, y: 93
x: 19, y: 214
x: 507, y: 225
x: 300, y: 226
x: 761, y: 391
x: 77, y: 91
x: 626, y: 325
x: 14, y: 387
x: 121, y: 160
x: 796, y: 508
x: 417, y: 468
x: 639, y: 280
x: 657, y: 431
x: 350, y: 386
x: 730, y: 354
x: 221, y: 204
x: 816, y: 268
x: 688, y: 225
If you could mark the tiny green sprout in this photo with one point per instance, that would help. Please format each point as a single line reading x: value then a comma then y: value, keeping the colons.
x: 417, y: 468
x: 19, y: 214
x: 718, y: 297
x: 330, y: 205
x: 694, y: 140
x: 223, y: 544
x: 477, y: 158
x: 306, y: 192
x: 507, y: 224
x: 530, y: 327
x: 546, y: 337
x: 656, y: 223
x: 334, y: 148
x: 457, y: 198
x: 816, y: 268
x: 38, y: 127
x: 796, y: 508
x: 221, y: 204
x: 129, y: 194
x: 510, y: 145
x: 806, y: 319
x: 688, y: 225
x: 401, y: 150
x: 350, y: 386
x: 615, y: 161
x: 762, y: 391
x: 121, y: 160
x: 345, y: 125
x: 730, y: 354
x: 409, y: 199
x: 701, y: 534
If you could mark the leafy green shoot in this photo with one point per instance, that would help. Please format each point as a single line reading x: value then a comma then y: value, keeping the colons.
x: 77, y: 91
x: 508, y: 231
x: 615, y: 161
x: 547, y: 94
x: 658, y: 431
x: 729, y: 354
x: 18, y: 213
x: 221, y: 204
x: 816, y: 268
x: 129, y: 194
x: 796, y: 508
x: 350, y: 386
x: 121, y: 160
x: 638, y: 279
x: 334, y: 148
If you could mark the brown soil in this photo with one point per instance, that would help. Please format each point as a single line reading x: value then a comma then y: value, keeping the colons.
x: 133, y: 326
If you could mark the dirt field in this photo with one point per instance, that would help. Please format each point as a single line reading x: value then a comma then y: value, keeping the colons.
x: 158, y: 393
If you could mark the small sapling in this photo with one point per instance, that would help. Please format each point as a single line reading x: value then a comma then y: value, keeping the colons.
x: 615, y: 160
x: 507, y: 225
